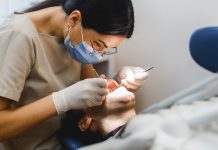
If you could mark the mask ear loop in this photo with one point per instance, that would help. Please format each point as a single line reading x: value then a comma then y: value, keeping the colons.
x: 81, y: 32
x: 69, y: 29
x: 83, y: 40
x: 68, y: 33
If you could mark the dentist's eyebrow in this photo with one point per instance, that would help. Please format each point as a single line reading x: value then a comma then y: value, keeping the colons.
x: 102, y: 42
x: 105, y: 44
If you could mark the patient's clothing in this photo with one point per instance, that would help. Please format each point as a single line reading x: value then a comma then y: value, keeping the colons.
x: 32, y: 66
x: 186, y: 123
x: 184, y: 127
x: 114, y: 132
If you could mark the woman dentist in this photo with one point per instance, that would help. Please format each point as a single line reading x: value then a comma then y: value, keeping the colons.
x: 44, y: 53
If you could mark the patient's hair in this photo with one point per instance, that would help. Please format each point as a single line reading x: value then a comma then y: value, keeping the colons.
x: 70, y: 132
x: 109, y: 17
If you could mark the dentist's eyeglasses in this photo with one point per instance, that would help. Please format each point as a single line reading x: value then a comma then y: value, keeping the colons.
x: 110, y: 51
x: 100, y: 48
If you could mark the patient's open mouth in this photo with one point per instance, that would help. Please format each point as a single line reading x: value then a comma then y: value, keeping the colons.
x: 85, y: 121
x: 112, y: 85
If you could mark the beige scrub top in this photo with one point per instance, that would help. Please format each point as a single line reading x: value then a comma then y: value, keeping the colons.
x: 32, y: 66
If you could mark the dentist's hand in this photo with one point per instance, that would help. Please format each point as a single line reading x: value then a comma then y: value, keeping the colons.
x: 120, y: 95
x: 132, y: 77
x: 117, y: 102
x: 81, y: 95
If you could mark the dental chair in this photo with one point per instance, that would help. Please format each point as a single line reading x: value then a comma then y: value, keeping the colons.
x: 185, y: 121
x: 204, y: 48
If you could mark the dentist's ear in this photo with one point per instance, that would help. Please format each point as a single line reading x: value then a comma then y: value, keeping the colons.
x: 74, y: 18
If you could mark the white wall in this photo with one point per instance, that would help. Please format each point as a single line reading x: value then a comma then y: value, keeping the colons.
x: 161, y: 39
x: 9, y: 6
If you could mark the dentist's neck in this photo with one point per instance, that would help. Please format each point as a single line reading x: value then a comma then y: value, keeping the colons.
x: 49, y: 21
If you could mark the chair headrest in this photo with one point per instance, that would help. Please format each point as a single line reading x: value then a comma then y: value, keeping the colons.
x: 204, y: 48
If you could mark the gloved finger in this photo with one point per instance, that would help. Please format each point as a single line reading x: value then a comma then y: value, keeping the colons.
x: 97, y: 99
x: 121, y: 94
x: 129, y: 72
x: 138, y: 70
x: 129, y: 86
x: 102, y: 91
x: 141, y: 76
x: 138, y: 79
x: 100, y: 82
x: 129, y: 96
x: 133, y: 81
x: 94, y: 102
x: 139, y: 82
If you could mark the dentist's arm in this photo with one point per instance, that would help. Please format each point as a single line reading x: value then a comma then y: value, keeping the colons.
x: 87, y: 71
x: 81, y: 95
x: 16, y: 121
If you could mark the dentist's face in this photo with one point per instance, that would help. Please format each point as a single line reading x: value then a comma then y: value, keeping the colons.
x: 99, y: 42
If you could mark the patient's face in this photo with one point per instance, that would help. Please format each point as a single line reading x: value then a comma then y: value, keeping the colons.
x: 119, y: 105
x: 117, y: 102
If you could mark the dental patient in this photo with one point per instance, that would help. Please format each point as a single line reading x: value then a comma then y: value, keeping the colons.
x: 99, y: 123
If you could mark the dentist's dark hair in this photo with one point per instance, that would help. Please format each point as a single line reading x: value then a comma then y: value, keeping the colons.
x: 109, y: 17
